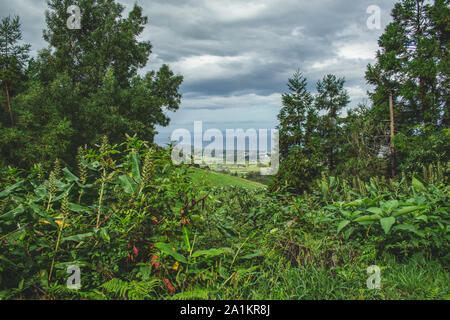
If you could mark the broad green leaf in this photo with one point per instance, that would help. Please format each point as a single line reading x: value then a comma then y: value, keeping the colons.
x: 91, y: 166
x: 346, y: 213
x: 408, y: 227
x: 257, y: 253
x: 165, y: 248
x: 129, y: 186
x: 210, y: 253
x: 244, y: 271
x: 10, y: 189
x: 386, y: 224
x: 349, y: 232
x: 390, y: 205
x: 78, y: 237
x: 374, y: 202
x: 65, y: 190
x: 13, y: 214
x: 135, y: 170
x: 355, y: 203
x: 70, y: 177
x: 374, y: 217
x: 418, y: 184
x: 423, y: 218
x: 38, y: 209
x: 406, y: 210
x: 41, y: 191
x: 375, y: 210
x: 186, y: 238
x: 342, y: 225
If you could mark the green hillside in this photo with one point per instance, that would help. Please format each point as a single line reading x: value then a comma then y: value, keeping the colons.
x: 214, y: 179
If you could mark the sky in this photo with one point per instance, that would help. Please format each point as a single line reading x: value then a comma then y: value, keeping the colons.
x: 236, y: 56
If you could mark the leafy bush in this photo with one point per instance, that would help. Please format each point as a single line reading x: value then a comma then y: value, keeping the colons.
x: 139, y: 227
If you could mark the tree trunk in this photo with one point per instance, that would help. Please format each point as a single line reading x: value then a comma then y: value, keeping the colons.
x: 9, y: 105
x: 393, y: 156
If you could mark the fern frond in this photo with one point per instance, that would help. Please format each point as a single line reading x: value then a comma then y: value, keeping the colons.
x: 133, y: 290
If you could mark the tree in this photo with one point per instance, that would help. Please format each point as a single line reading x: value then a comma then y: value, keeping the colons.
x: 412, y: 65
x: 297, y: 105
x: 89, y: 86
x: 412, y: 72
x: 439, y: 15
x: 105, y: 40
x: 297, y: 127
x: 363, y: 142
x: 102, y: 60
x: 331, y: 98
x: 12, y: 59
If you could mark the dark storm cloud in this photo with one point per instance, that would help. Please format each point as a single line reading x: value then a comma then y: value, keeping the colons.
x: 236, y: 55
x: 268, y: 39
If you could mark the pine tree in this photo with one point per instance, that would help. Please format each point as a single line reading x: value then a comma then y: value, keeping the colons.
x: 331, y: 98
x: 298, y: 130
x: 412, y: 72
x: 297, y: 105
x: 13, y: 57
x: 439, y: 15
x: 412, y: 65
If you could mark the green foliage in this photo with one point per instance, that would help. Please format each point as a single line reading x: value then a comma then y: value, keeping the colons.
x: 141, y: 227
x: 13, y: 57
x: 419, y: 151
x: 77, y: 92
x: 400, y: 215
x: 309, y: 142
x: 293, y: 116
x: 101, y: 225
x: 151, y: 238
x: 412, y: 65
x: 296, y: 173
x: 133, y: 290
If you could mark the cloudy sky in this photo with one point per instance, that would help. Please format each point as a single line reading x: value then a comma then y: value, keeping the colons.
x: 236, y: 55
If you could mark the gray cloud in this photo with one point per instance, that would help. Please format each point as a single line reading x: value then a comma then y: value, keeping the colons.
x: 236, y: 56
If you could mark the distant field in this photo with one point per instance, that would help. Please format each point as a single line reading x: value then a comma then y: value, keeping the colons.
x: 236, y: 169
x: 221, y: 180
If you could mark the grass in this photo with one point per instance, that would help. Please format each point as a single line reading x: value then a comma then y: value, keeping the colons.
x: 415, y: 279
x: 214, y: 179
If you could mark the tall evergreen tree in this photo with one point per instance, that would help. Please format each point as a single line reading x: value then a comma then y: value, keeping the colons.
x: 297, y: 105
x: 331, y: 98
x: 13, y: 57
x: 412, y: 65
x: 298, y: 129
x: 439, y: 15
